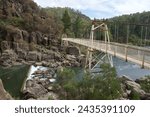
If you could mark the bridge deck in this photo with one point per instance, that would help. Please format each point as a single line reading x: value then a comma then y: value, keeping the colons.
x: 135, y: 54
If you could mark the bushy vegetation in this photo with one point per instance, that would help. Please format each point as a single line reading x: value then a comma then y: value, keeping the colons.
x: 28, y: 16
x: 145, y: 84
x: 73, y: 22
x: 139, y: 31
x: 105, y: 86
x: 134, y: 95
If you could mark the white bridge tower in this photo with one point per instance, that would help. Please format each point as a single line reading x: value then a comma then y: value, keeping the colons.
x: 89, y: 59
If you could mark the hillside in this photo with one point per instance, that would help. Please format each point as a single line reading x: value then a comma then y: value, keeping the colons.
x: 25, y: 14
x: 80, y: 23
x: 139, y: 28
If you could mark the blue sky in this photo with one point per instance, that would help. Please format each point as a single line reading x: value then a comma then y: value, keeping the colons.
x: 100, y: 8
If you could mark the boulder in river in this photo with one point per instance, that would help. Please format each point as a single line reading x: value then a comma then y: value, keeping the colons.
x: 34, y: 90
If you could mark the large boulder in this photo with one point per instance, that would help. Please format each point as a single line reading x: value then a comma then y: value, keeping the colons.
x: 8, y: 57
x: 82, y: 60
x: 72, y: 50
x: 47, y: 57
x: 131, y: 89
x: 143, y: 80
x: 34, y: 89
x: 22, y: 54
x: 53, y: 42
x: 136, y: 87
x: 4, y: 95
x: 33, y: 56
x: 4, y: 45
x: 57, y: 56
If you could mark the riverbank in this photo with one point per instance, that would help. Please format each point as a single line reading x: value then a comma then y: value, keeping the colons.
x: 40, y: 86
x: 53, y: 61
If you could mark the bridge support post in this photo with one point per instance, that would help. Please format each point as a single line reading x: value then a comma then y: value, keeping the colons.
x: 89, y: 58
x: 115, y: 50
x: 143, y: 59
x: 126, y: 54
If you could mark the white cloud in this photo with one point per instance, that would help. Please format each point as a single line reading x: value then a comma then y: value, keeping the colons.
x: 132, y: 6
x: 100, y: 8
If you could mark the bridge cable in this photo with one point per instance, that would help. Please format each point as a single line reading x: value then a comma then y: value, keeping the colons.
x: 128, y: 27
x: 145, y: 40
x: 141, y: 35
x: 115, y: 33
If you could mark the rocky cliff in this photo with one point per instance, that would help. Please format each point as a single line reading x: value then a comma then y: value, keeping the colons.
x: 28, y: 34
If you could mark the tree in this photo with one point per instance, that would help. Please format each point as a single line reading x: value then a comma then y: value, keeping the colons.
x: 104, y: 86
x: 66, y: 21
x: 77, y: 27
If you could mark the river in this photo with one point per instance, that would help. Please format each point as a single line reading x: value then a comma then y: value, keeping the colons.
x: 129, y: 69
x: 14, y: 77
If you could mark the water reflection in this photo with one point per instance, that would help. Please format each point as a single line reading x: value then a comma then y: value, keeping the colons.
x: 13, y: 78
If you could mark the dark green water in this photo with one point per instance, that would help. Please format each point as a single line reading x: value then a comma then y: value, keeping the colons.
x: 13, y: 79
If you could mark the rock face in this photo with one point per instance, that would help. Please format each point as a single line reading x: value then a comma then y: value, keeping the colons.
x: 24, y: 40
x: 72, y: 50
x: 130, y: 87
x: 145, y: 83
x: 33, y: 56
x: 3, y: 94
x: 34, y: 89
x: 37, y: 89
x: 4, y: 45
x: 8, y: 57
x: 40, y: 86
x: 22, y: 34
x: 26, y: 46
x: 135, y: 87
x: 22, y: 54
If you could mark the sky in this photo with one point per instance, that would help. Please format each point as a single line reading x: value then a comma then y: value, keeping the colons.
x: 100, y: 8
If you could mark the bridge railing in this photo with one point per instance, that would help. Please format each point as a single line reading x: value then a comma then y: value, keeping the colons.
x: 132, y: 53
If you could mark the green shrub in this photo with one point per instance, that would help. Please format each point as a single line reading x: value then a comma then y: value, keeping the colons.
x: 134, y: 95
x: 146, y: 84
x: 104, y: 86
x: 65, y: 76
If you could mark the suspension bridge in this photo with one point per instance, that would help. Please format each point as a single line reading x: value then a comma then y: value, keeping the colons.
x: 135, y: 54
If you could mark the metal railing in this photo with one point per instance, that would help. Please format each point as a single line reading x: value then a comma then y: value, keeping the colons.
x: 135, y: 54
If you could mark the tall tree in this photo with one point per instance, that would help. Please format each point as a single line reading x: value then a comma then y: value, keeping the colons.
x: 66, y: 21
x: 77, y: 27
